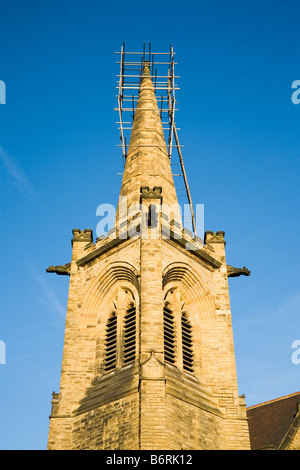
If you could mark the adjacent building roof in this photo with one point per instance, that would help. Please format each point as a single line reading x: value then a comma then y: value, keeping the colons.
x: 273, y: 424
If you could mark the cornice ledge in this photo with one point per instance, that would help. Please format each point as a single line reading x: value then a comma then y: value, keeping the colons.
x: 99, y: 251
x: 200, y: 253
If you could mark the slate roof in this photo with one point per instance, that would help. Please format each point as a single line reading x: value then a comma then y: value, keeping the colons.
x: 273, y: 423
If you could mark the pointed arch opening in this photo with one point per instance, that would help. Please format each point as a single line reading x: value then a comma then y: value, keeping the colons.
x: 178, y: 334
x: 187, y: 343
x: 169, y: 335
x: 121, y: 331
x: 111, y: 343
x: 129, y: 341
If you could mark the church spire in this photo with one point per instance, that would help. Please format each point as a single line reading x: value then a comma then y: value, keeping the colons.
x: 148, y: 163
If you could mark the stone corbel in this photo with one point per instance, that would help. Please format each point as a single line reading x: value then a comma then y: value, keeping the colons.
x: 152, y: 368
x: 147, y: 193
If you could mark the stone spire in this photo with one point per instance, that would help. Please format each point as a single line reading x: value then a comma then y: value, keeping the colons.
x: 148, y: 163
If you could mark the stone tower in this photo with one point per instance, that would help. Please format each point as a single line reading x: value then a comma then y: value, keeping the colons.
x: 148, y: 359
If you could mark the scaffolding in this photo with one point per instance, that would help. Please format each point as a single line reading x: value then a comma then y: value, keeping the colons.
x: 162, y: 69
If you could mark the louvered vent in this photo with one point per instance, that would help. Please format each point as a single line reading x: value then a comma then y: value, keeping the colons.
x: 169, y: 336
x: 187, y: 344
x: 129, y: 345
x: 111, y: 343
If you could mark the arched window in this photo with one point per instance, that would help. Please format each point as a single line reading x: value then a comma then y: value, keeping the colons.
x: 169, y: 335
x: 120, y: 332
x: 187, y: 343
x: 111, y: 343
x: 178, y: 338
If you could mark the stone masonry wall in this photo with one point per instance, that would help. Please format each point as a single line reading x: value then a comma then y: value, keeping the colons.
x: 112, y: 426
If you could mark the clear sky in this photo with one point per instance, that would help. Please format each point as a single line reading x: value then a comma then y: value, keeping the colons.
x: 59, y: 160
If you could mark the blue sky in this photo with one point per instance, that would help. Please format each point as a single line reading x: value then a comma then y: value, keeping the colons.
x: 59, y: 160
